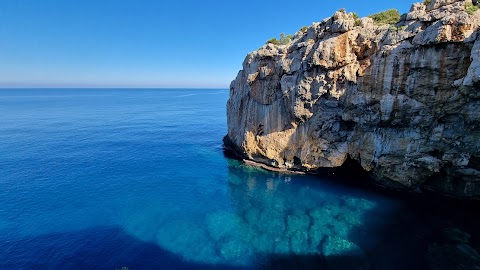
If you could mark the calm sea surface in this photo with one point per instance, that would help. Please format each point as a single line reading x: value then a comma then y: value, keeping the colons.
x: 111, y: 178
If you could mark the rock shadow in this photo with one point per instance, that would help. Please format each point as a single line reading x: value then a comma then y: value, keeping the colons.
x: 310, y: 262
x: 100, y: 248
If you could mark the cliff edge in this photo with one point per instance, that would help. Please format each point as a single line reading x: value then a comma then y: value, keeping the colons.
x: 402, y: 100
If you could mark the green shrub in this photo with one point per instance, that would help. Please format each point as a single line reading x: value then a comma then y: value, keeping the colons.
x: 342, y: 10
x: 284, y: 40
x: 390, y: 16
x: 272, y: 41
x: 394, y: 28
x: 357, y: 19
x: 304, y: 29
x: 470, y: 8
x: 427, y: 2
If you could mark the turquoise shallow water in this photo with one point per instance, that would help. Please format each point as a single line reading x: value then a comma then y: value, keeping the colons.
x: 105, y: 178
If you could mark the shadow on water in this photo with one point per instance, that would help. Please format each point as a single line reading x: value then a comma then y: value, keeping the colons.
x: 110, y: 248
x: 106, y: 248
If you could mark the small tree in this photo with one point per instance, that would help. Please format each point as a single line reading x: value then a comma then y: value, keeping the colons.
x: 272, y: 41
x: 284, y: 40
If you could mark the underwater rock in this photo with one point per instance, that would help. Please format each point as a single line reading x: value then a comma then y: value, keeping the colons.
x: 453, y: 257
x: 277, y: 226
x: 188, y: 240
x: 142, y: 227
x: 358, y: 203
x: 342, y: 254
x: 221, y: 225
x: 252, y: 216
x: 231, y: 235
x: 145, y: 224
x: 297, y: 230
x: 263, y: 243
x: 311, y: 199
x: 332, y: 219
x: 278, y: 204
x: 270, y: 221
x: 297, y: 223
x: 282, y: 246
x: 299, y: 243
x: 233, y: 179
x: 235, y: 250
x: 455, y: 235
x: 316, y: 234
x: 288, y: 220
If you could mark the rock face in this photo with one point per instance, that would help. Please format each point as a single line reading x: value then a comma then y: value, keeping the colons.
x: 403, y: 101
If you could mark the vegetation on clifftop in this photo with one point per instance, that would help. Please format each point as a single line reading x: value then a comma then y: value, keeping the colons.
x: 427, y: 2
x: 470, y: 8
x: 284, y: 40
x: 357, y: 19
x: 390, y: 16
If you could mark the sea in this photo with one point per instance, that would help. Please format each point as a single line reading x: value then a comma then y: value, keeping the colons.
x: 138, y: 179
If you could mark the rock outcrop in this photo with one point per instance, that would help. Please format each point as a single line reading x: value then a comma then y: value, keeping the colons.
x: 403, y: 101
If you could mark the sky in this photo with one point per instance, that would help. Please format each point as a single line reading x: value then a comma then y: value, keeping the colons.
x: 148, y: 43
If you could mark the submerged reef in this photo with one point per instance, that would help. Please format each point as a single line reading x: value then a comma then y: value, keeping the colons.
x: 402, y: 100
x: 264, y: 220
x: 270, y: 217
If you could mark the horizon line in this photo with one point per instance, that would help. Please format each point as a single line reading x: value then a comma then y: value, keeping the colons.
x: 110, y: 87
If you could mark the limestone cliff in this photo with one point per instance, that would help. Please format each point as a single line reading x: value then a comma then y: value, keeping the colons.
x: 403, y: 101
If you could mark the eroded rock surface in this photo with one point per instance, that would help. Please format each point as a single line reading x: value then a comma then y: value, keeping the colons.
x: 403, y: 101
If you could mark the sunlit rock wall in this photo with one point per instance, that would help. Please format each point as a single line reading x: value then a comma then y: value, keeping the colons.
x: 403, y: 101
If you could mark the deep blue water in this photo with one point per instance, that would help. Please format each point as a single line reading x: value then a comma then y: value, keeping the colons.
x: 111, y: 178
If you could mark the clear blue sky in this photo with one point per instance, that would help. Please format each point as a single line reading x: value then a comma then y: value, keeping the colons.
x: 147, y: 43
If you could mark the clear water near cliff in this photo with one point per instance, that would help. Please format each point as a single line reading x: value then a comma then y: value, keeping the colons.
x: 105, y: 178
